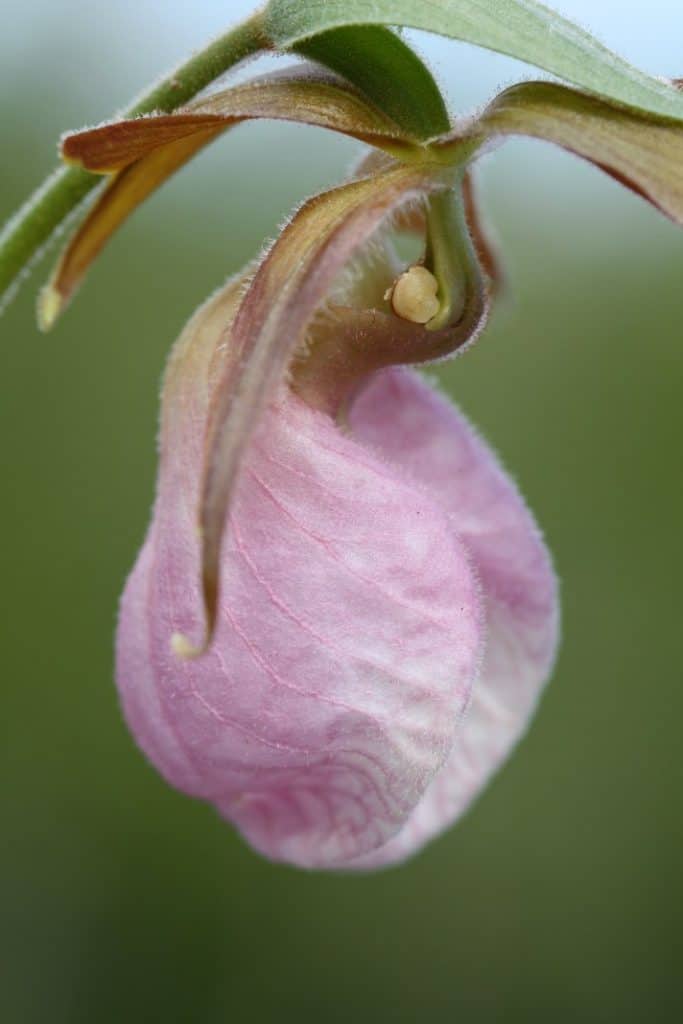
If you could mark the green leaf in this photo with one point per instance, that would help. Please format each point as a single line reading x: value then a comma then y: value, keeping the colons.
x: 387, y: 72
x: 641, y: 152
x: 122, y: 195
x: 524, y: 29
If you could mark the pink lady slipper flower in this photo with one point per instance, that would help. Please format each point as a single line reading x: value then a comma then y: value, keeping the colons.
x: 343, y: 614
x: 383, y: 610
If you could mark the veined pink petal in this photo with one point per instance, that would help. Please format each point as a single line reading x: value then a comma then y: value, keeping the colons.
x: 348, y: 637
x: 418, y: 432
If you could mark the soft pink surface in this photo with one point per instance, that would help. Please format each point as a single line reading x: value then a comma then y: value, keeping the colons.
x: 435, y: 445
x: 349, y: 638
x: 326, y: 719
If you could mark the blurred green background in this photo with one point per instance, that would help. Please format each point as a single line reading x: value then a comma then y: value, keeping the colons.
x: 558, y: 898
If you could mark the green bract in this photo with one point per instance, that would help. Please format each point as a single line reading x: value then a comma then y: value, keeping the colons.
x: 524, y: 29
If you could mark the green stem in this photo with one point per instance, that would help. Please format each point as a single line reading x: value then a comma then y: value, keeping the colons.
x: 450, y: 255
x: 24, y: 235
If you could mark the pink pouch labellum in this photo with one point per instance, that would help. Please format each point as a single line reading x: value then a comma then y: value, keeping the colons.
x: 348, y: 635
x: 360, y: 571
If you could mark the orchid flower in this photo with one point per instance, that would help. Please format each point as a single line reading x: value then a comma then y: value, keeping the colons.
x: 343, y: 614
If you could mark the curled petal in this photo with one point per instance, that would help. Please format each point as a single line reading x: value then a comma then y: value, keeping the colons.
x: 287, y: 289
x: 420, y: 434
x: 482, y: 236
x: 642, y: 151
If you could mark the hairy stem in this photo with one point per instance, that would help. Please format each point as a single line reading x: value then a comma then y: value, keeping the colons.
x: 31, y: 227
x: 449, y: 254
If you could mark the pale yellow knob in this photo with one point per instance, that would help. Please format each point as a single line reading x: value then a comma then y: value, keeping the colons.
x: 414, y: 296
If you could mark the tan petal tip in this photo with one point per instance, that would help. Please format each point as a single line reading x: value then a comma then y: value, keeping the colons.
x: 50, y: 304
x: 68, y: 156
x: 183, y: 648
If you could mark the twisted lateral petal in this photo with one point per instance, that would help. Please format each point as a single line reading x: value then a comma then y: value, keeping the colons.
x: 144, y: 152
x: 305, y: 94
x: 121, y: 196
x: 348, y: 629
x: 640, y: 151
x: 288, y: 288
x: 420, y: 434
